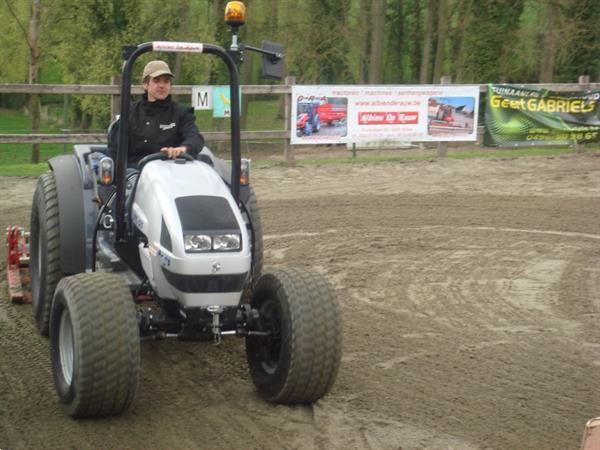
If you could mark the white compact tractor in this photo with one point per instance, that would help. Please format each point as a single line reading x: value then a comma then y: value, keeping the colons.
x: 171, y: 249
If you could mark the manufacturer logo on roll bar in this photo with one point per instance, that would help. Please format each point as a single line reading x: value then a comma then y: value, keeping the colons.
x: 190, y: 47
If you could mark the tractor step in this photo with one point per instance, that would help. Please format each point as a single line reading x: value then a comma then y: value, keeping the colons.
x: 17, y: 264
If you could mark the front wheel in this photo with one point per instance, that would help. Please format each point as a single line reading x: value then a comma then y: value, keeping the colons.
x: 95, y: 346
x: 298, y: 360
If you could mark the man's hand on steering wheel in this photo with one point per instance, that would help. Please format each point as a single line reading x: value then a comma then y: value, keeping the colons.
x: 173, y: 152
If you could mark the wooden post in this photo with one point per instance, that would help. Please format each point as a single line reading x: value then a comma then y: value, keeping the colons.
x: 442, y: 147
x: 583, y: 81
x: 287, y: 117
x: 115, y: 100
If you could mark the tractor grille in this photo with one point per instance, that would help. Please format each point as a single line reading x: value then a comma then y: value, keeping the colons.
x: 206, y: 284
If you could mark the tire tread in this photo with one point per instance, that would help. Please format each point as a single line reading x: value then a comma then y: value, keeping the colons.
x: 108, y: 347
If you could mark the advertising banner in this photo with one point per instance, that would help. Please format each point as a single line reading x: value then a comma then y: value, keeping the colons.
x: 518, y: 116
x: 355, y: 114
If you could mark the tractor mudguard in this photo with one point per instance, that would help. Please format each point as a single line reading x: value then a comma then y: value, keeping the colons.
x: 71, y: 214
x: 223, y: 168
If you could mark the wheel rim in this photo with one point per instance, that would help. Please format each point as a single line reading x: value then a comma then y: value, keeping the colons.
x: 65, y: 346
x: 270, y: 347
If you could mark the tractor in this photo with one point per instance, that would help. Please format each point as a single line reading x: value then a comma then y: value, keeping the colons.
x: 171, y: 249
x: 308, y: 120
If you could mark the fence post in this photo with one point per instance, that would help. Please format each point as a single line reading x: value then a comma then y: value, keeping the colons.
x: 115, y: 100
x: 287, y: 111
x: 442, y: 147
x: 583, y: 81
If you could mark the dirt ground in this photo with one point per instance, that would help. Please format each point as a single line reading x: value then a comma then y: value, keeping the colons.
x: 470, y: 293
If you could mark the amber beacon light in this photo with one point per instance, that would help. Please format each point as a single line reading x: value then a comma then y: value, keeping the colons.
x: 235, y: 14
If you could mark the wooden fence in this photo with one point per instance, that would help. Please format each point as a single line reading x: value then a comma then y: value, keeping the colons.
x: 281, y: 89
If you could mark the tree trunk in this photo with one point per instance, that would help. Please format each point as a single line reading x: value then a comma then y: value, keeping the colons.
x: 365, y: 35
x: 457, y: 33
x: 34, y: 99
x: 549, y: 44
x: 417, y: 36
x: 424, y: 73
x: 441, y: 40
x: 377, y: 42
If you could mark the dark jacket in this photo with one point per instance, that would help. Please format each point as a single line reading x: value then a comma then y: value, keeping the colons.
x: 158, y: 124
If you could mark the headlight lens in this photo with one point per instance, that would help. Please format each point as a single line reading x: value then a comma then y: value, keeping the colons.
x: 197, y: 243
x: 207, y: 243
x: 226, y: 242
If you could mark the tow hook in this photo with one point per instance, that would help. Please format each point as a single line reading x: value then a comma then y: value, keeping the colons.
x: 216, y: 311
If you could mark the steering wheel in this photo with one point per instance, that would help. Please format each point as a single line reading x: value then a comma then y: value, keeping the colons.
x: 162, y: 156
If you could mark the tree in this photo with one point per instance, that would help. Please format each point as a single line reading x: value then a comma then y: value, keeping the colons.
x: 441, y: 40
x: 581, y: 45
x: 549, y: 43
x: 377, y: 41
x: 34, y: 72
x: 365, y: 31
x: 424, y: 72
x: 30, y: 37
x: 488, y: 46
x: 395, y: 56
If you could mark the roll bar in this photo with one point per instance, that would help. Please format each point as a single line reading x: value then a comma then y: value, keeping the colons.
x: 123, y: 141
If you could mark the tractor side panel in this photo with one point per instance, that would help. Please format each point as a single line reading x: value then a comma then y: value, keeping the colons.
x: 71, y: 213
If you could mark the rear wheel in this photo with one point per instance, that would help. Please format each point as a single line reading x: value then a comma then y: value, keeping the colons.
x: 44, y: 245
x: 298, y: 361
x: 95, y: 346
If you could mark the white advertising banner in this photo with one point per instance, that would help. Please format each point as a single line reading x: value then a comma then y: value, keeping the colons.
x: 348, y: 114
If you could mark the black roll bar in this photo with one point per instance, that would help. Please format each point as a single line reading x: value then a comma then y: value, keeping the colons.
x: 124, y: 140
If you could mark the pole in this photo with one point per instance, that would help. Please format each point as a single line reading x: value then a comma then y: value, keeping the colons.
x: 442, y: 147
x: 287, y: 117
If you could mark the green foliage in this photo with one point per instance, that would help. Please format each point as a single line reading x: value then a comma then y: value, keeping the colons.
x: 13, y: 44
x: 488, y: 44
x: 581, y: 55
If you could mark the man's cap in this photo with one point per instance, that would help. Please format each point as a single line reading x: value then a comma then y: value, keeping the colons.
x: 155, y: 69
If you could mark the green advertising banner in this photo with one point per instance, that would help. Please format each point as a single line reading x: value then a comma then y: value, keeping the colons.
x: 518, y: 116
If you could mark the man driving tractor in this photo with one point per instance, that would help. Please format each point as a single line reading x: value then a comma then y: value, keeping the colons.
x: 158, y: 124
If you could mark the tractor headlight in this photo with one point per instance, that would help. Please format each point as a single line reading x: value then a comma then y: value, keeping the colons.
x: 197, y: 243
x: 226, y: 242
x: 216, y: 243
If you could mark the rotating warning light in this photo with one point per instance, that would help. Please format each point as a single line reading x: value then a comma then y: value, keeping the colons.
x: 235, y: 14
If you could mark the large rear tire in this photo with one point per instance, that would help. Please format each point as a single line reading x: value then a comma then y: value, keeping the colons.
x: 44, y: 244
x: 298, y: 362
x: 95, y: 345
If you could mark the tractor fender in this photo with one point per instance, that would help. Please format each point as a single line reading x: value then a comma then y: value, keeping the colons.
x: 71, y: 214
